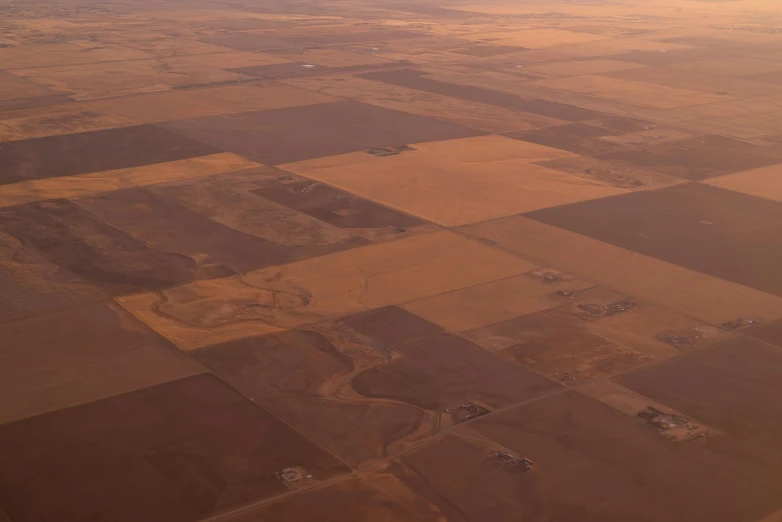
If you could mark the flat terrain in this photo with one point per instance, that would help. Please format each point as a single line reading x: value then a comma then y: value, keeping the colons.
x: 407, y: 261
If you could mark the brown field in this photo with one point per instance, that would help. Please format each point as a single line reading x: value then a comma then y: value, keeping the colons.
x: 300, y: 133
x: 336, y: 207
x: 82, y: 354
x: 480, y: 116
x: 383, y: 497
x: 392, y: 325
x: 68, y: 118
x: 107, y: 79
x: 577, y: 138
x: 82, y: 153
x: 768, y: 332
x: 356, y: 261
x: 214, y: 101
x: 695, y: 163
x: 417, y: 80
x: 586, y: 455
x: 148, y: 447
x: 445, y: 371
x: 304, y: 377
x: 162, y: 223
x: 31, y: 284
x: 714, y: 231
x: 732, y: 387
x: 96, y: 252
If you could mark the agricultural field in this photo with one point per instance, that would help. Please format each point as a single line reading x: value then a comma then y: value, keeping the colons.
x: 401, y: 261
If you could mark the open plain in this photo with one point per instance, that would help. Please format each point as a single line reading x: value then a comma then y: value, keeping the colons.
x: 398, y: 261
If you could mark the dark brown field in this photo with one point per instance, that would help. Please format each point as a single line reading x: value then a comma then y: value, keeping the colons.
x: 363, y: 261
x: 714, y: 231
x: 769, y: 332
x: 304, y: 377
x: 733, y: 387
x: 92, y: 250
x: 30, y: 284
x: 445, y: 371
x: 393, y: 326
x: 336, y: 207
x: 179, y: 451
x: 417, y: 80
x: 575, y: 137
x: 694, y: 163
x: 96, y: 151
x: 168, y: 226
x: 79, y: 355
x: 281, y: 136
x: 592, y: 463
x: 385, y: 498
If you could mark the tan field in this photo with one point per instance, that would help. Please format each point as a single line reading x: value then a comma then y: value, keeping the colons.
x: 464, y: 181
x: 107, y: 79
x: 106, y: 181
x: 417, y: 261
x: 322, y: 288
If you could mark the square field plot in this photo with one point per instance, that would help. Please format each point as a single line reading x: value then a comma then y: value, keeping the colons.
x: 458, y: 181
x: 178, y: 452
x: 733, y: 386
x: 446, y: 371
x: 717, y: 232
x: 304, y: 378
x: 73, y: 154
x: 301, y: 133
x: 78, y: 355
x: 585, y: 456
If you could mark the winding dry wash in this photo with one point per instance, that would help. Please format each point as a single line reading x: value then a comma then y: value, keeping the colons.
x: 390, y: 261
